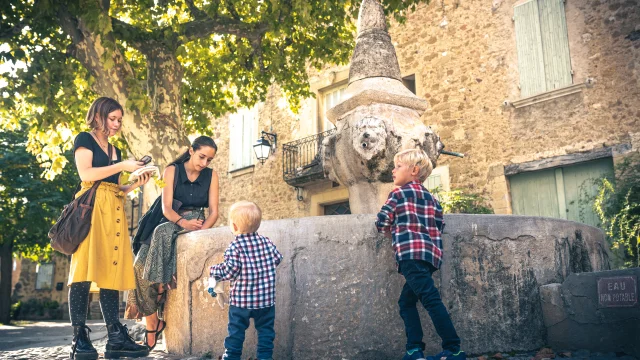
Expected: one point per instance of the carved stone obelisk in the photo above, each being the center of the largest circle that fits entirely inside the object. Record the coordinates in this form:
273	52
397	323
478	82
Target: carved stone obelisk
377	118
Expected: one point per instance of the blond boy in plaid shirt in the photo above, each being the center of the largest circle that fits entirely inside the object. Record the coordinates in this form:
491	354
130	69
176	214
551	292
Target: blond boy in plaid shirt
250	263
415	221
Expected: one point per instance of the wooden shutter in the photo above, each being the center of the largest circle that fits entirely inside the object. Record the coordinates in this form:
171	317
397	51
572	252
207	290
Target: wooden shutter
529	45
248	137
534	194
581	184
555	44
331	99
235	142
433	182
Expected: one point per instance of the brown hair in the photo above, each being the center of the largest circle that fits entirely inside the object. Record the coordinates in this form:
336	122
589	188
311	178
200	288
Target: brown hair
99	113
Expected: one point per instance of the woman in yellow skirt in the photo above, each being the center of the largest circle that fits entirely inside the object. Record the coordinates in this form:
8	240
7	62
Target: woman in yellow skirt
104	260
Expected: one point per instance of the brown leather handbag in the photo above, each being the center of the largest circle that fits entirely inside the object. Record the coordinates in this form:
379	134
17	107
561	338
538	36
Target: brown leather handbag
73	226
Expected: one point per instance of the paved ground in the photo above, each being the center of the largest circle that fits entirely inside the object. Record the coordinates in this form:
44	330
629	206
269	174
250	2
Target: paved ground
50	340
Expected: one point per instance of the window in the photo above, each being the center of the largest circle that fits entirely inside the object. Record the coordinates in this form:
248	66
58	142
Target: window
44	276
438	180
543	46
565	192
330	98
341	208
433	182
410	82
242	137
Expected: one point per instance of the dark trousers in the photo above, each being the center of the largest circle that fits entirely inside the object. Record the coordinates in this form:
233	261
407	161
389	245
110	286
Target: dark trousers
263	320
420	287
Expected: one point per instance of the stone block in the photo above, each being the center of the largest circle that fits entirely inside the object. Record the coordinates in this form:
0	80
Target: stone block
338	287
575	319
495	171
552	304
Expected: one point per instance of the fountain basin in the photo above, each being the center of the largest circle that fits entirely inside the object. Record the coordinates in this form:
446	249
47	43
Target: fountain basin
337	287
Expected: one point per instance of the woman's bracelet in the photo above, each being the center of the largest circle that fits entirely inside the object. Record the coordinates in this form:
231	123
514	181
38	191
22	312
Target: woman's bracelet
177	221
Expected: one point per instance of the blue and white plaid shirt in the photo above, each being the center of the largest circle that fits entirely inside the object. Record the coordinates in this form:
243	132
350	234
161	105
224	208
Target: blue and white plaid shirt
250	262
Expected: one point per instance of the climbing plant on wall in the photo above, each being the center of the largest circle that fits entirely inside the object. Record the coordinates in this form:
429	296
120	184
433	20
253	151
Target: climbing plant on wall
618	206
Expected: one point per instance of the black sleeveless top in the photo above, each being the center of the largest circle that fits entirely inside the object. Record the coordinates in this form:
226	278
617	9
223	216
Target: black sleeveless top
192	194
100	158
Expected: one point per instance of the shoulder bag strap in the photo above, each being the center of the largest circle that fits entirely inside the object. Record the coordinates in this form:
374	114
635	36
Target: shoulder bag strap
94	188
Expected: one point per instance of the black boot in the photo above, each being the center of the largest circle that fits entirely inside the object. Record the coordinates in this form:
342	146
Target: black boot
120	344
81	347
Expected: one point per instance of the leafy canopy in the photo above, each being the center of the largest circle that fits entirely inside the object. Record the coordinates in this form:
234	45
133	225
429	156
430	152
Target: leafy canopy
230	52
29	204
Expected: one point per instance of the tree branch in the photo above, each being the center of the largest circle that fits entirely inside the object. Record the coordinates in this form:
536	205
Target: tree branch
198	29
127	32
194	11
70	26
135	37
232	11
105	5
8	33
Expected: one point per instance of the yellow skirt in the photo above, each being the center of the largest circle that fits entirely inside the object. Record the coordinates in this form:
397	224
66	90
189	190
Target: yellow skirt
105	257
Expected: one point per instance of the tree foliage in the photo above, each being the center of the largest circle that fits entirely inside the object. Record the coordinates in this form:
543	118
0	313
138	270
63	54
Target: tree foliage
177	63
29	204
618	206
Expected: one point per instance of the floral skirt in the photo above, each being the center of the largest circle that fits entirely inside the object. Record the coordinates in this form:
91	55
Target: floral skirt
155	265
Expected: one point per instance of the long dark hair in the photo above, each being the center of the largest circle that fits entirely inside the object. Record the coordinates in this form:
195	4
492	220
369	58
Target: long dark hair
102	107
199	142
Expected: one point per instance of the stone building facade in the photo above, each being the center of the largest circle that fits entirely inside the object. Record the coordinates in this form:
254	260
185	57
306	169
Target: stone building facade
463	58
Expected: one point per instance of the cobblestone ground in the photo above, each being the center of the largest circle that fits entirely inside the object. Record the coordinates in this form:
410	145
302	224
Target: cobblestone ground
50	340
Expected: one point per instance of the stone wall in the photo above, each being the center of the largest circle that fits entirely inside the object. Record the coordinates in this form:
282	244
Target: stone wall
25	285
575	318
466	67
337	287
27	282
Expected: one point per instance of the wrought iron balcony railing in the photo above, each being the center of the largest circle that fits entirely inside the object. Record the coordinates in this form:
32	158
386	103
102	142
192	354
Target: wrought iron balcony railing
302	163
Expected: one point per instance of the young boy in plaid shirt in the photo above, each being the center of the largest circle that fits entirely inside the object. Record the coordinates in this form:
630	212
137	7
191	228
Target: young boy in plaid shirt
250	262
415	221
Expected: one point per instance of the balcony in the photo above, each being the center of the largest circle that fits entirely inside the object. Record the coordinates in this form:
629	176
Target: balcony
302	164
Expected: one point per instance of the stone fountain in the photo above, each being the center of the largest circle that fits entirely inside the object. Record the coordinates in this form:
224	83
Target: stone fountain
378	117
337	287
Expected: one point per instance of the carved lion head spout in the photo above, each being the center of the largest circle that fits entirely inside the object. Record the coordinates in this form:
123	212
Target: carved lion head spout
369	137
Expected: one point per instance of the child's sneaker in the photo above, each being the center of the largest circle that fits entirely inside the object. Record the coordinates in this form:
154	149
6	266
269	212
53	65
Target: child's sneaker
415	354
448	355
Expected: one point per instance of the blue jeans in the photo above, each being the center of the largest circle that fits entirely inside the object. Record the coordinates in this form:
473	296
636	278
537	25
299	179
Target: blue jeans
420	287
263	320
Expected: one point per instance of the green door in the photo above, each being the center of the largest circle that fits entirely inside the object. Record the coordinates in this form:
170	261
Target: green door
581	187
566	193
534	193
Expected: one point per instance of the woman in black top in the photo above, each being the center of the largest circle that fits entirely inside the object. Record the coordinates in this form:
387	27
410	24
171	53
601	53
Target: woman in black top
104	259
196	187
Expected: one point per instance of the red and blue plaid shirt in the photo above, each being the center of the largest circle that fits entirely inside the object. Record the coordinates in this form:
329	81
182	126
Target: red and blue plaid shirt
415	220
250	262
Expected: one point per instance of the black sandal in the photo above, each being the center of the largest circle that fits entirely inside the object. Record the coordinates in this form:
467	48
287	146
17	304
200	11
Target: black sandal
157	332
